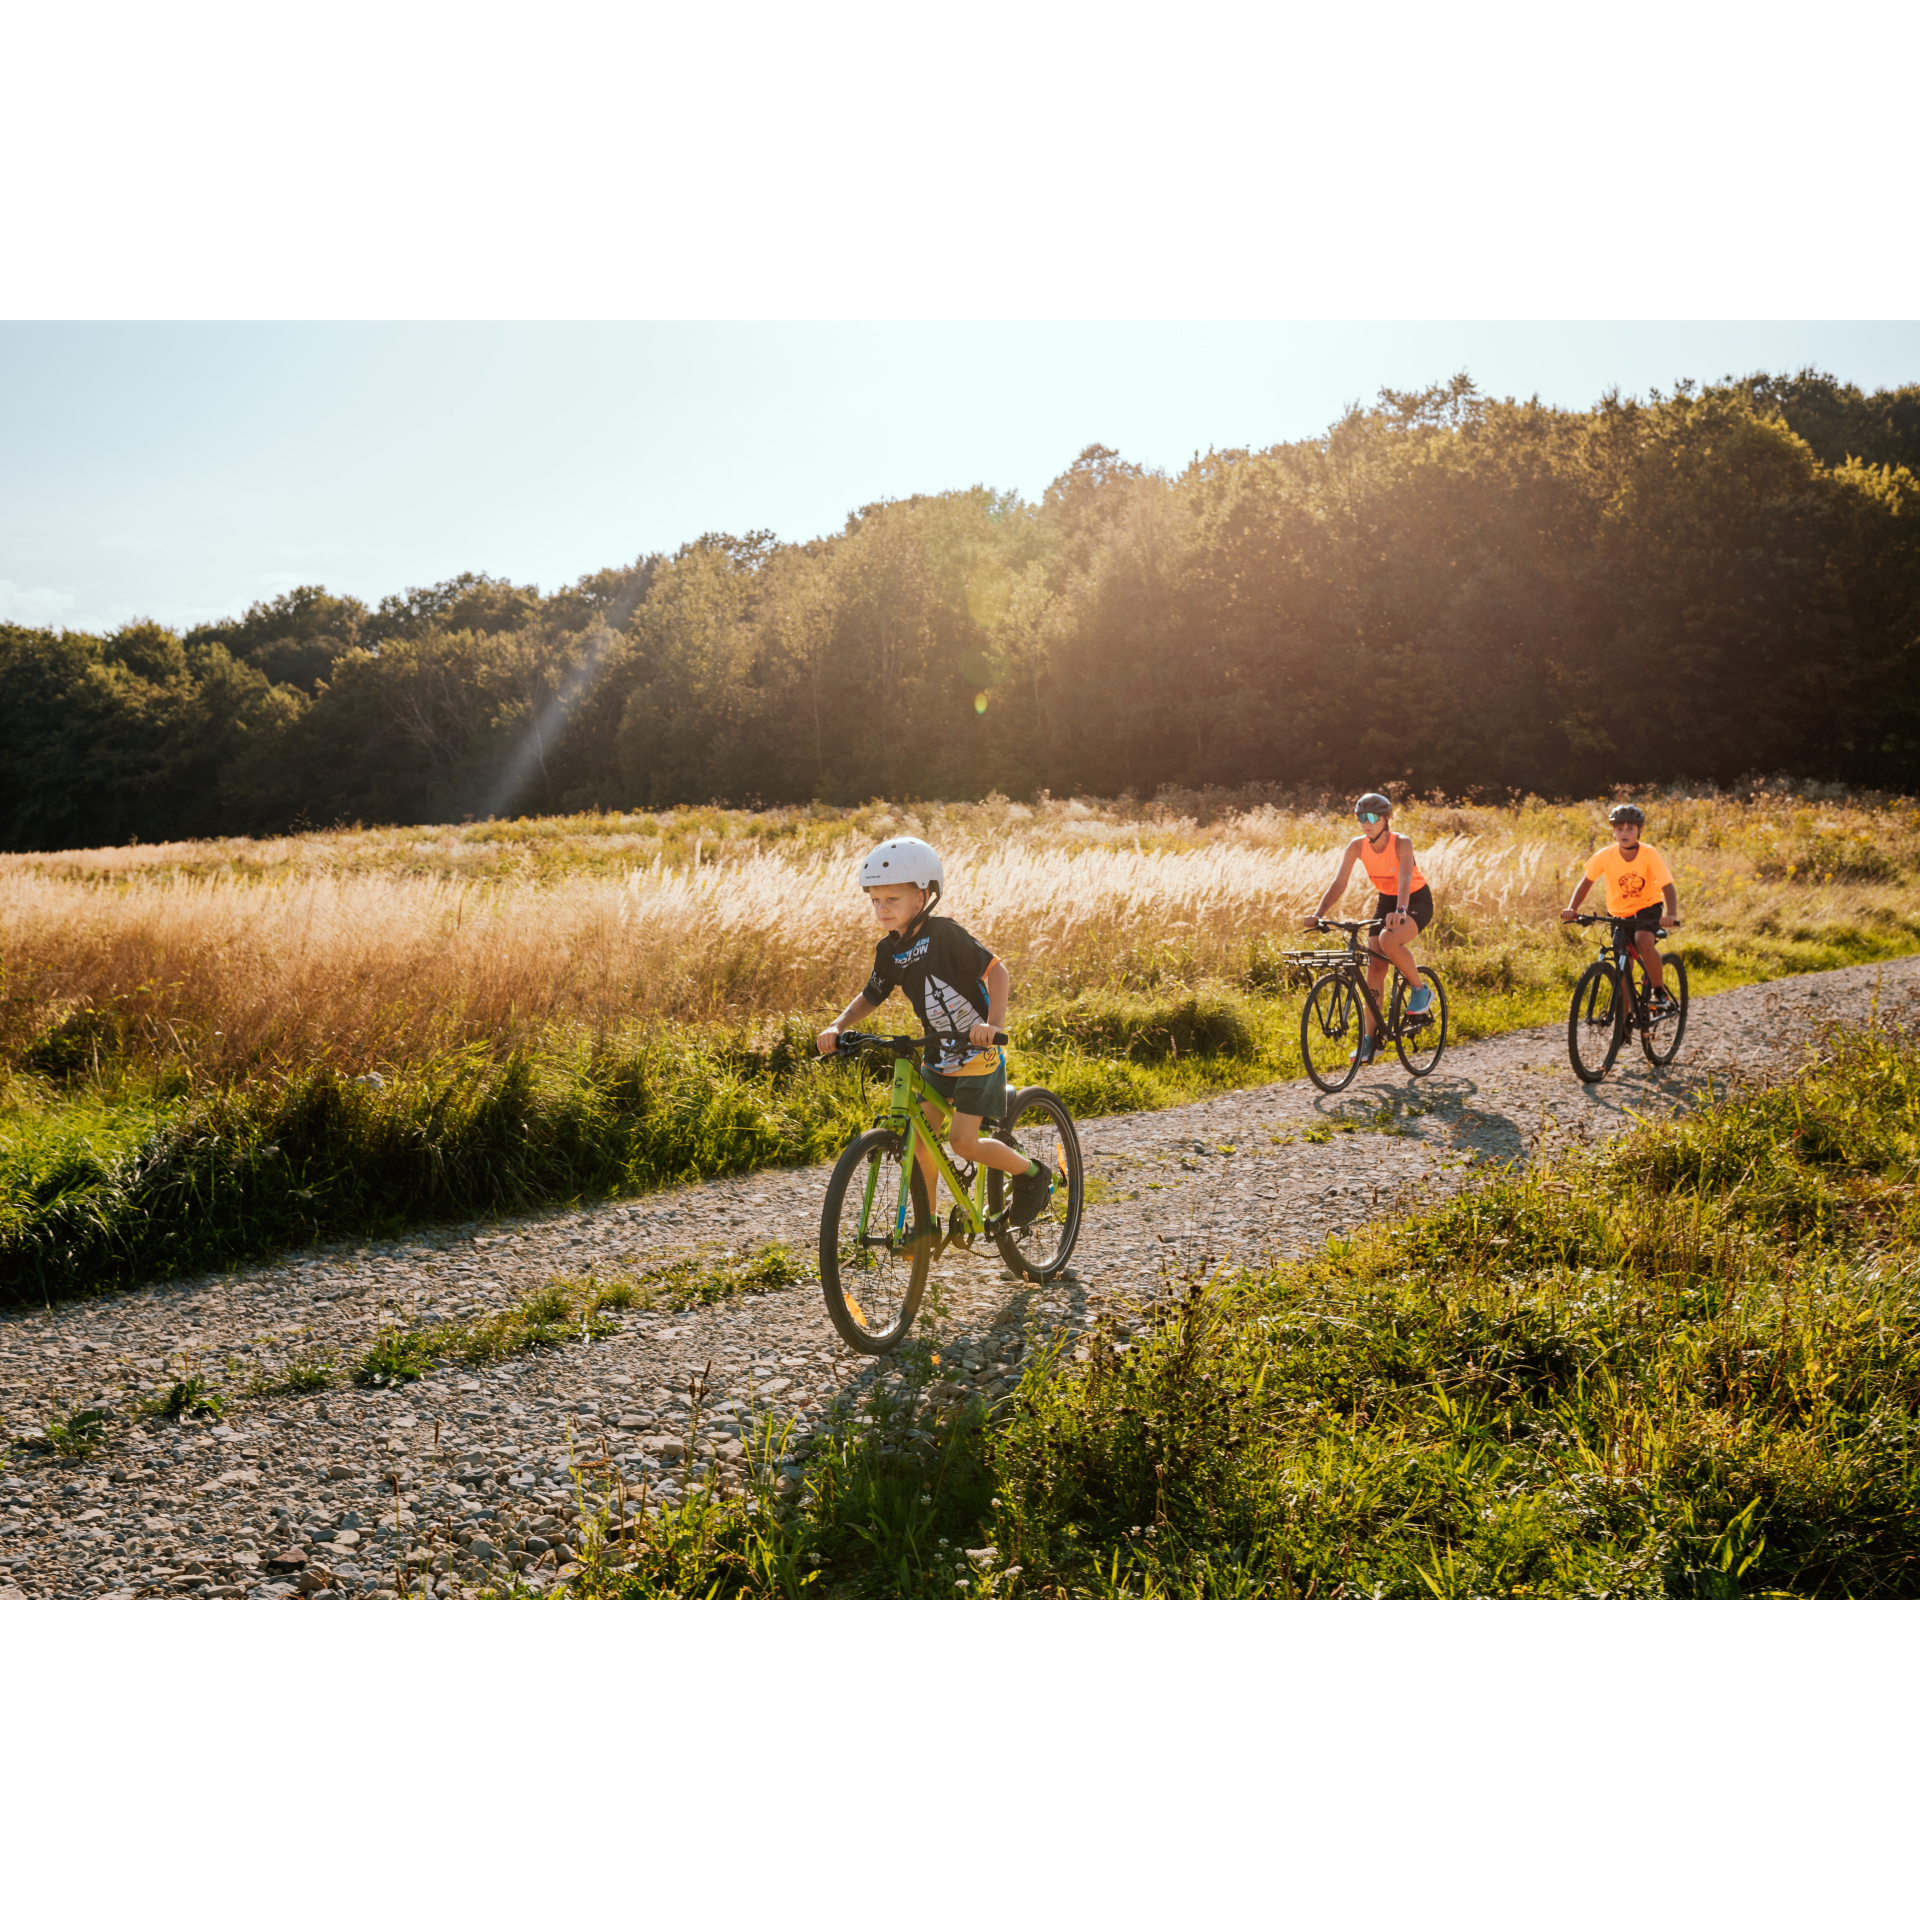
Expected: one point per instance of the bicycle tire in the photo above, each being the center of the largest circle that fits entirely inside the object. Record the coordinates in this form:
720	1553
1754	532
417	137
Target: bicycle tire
1593	1022
1041	1248
1328	1022
1670	1028
1420	1049
872	1293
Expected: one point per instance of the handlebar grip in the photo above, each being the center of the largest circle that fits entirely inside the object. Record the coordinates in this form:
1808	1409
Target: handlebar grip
999	1038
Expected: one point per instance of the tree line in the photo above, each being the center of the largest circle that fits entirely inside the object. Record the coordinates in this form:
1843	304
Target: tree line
1444	589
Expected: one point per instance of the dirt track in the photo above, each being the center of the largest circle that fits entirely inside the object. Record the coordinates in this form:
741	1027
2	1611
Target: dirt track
458	1475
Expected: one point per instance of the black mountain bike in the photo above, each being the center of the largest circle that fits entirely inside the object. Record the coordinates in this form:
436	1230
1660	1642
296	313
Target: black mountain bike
1614	997
1331	1022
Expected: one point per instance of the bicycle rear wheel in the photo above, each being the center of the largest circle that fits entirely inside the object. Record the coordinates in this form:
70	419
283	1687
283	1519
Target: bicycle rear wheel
1593	1022
873	1280
1039	1125
1419	1038
1330	1030
1660	1037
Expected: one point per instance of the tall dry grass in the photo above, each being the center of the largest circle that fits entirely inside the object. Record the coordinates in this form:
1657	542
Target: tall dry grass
385	947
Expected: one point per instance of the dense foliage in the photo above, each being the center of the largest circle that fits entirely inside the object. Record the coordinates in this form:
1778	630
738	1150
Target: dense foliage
1445	590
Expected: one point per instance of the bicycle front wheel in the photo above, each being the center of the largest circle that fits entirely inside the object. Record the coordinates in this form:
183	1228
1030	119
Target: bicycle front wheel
1593	1022
1330	1030
871	1270
1660	1037
1420	1038
1039	1125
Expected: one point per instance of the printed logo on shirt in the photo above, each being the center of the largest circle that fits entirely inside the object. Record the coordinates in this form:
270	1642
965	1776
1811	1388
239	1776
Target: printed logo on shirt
1633	885
913	953
949	1009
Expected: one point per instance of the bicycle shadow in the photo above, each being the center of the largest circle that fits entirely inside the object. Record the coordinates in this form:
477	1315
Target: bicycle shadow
940	1370
1440	1111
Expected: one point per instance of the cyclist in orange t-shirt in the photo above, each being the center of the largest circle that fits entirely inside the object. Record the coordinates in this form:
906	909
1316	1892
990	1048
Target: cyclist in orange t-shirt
1404	905
1635	875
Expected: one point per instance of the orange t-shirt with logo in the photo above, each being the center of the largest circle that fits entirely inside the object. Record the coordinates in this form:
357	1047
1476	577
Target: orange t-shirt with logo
1383	867
1632	885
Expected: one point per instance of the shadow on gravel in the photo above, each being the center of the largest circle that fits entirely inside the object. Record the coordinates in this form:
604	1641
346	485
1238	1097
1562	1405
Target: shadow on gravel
1440	1112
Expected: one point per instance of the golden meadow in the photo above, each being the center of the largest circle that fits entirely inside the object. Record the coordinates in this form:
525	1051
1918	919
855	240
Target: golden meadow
382	948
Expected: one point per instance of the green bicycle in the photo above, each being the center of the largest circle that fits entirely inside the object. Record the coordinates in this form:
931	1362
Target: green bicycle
879	1240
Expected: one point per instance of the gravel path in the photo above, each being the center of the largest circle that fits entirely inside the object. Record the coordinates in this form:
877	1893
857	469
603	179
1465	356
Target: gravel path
445	1483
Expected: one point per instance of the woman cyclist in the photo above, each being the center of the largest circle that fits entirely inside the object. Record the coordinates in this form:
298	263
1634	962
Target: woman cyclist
1405	905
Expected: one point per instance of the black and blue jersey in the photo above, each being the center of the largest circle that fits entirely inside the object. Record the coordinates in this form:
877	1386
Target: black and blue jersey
941	969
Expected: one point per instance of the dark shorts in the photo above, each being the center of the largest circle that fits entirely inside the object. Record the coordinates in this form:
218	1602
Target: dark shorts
984	1094
1419	905
1647	920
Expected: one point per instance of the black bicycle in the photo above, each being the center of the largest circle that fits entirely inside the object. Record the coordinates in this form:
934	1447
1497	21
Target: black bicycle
1614	997
1332	1021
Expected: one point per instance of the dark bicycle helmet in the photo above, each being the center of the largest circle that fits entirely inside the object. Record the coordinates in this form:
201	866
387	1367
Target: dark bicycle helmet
1373	803
1626	811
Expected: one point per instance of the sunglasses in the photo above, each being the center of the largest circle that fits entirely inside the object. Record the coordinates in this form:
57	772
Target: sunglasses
1371	819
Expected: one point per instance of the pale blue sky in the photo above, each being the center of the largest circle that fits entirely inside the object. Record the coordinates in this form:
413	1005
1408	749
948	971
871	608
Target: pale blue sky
184	470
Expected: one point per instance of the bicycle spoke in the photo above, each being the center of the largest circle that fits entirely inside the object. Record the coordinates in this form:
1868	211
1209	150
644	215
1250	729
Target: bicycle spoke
1592	1022
873	1279
1040	1127
1420	1038
1660	1038
1330	1029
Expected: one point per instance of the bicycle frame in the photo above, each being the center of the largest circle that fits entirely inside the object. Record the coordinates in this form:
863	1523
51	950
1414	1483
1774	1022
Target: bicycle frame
905	1117
1622	953
1354	965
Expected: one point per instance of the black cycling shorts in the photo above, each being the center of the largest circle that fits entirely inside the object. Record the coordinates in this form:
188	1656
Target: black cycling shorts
1419	905
1647	920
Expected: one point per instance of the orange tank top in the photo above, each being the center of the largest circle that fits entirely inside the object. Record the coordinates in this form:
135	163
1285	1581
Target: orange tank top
1383	867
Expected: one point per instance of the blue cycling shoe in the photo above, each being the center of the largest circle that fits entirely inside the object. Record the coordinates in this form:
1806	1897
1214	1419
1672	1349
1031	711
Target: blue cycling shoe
1420	1000
1362	1055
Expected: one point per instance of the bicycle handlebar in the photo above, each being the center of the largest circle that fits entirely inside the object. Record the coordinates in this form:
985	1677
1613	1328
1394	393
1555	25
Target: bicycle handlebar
1616	920
1351	926
903	1046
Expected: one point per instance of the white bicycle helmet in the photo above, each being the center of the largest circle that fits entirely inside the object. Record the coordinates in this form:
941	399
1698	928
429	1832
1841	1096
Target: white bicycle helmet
896	863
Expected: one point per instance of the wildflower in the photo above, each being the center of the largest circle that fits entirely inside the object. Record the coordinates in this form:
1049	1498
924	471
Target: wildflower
961	1586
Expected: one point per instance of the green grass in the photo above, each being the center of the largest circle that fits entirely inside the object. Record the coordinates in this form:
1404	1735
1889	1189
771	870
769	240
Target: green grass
122	1181
183	1399
1685	1365
128	1176
80	1435
307	1373
567	1307
547	1317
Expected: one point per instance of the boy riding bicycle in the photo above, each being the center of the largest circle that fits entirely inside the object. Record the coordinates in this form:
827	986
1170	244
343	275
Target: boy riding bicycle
1634	874
1404	905
960	992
